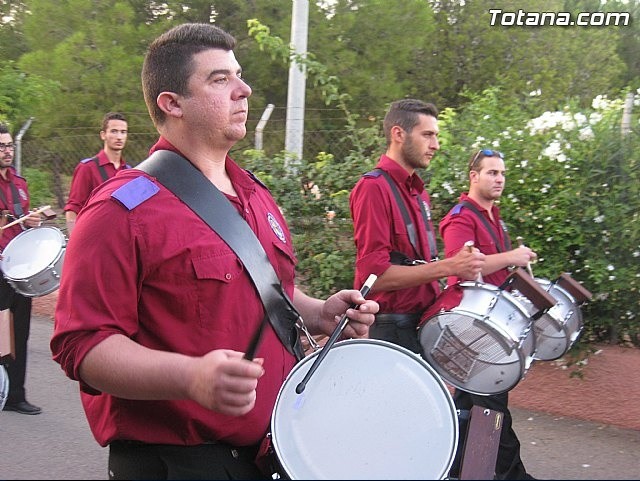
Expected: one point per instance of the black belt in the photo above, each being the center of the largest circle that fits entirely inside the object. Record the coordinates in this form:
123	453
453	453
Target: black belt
402	321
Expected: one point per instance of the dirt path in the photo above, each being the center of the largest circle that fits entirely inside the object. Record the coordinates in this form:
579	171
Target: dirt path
607	391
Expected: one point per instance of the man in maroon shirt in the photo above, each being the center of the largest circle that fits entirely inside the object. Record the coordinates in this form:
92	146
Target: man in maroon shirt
14	204
477	217
156	325
393	232
91	172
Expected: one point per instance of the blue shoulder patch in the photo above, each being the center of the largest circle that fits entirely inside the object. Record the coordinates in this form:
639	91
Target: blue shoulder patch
84	161
373	173
456	210
135	192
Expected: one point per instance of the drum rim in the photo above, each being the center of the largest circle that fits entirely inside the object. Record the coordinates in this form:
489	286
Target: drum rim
379	342
522	357
3	261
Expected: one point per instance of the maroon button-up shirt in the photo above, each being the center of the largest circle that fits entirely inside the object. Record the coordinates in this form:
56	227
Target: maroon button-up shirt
379	229
155	272
86	177
23	193
461	224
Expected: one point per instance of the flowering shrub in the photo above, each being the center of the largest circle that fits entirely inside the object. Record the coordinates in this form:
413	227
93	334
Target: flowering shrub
572	194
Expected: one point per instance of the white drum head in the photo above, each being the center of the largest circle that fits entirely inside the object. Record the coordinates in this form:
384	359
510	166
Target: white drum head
4	386
31	252
371	410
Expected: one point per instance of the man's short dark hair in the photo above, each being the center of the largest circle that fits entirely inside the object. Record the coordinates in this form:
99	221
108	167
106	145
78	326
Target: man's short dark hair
4	129
405	114
168	63
111	116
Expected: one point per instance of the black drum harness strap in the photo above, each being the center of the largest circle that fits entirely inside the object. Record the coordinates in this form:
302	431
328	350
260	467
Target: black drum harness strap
507	242
189	184
411	229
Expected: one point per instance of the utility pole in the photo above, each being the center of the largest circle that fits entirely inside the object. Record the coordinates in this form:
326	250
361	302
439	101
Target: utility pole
294	130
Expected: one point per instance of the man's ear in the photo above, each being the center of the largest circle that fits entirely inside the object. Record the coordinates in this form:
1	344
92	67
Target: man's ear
169	103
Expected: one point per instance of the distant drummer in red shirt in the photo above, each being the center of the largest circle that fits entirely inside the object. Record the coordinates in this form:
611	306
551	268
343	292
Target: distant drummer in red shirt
91	172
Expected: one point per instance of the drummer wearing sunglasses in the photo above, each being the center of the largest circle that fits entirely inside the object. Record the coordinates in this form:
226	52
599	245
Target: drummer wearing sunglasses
477	217
14	203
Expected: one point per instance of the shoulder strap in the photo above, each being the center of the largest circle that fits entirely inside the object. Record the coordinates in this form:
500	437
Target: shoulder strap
489	227
183	179
17	206
103	173
411	229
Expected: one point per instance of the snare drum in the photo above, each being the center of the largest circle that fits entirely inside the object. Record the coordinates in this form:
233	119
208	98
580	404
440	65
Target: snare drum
478	338
371	410
558	329
4	386
32	261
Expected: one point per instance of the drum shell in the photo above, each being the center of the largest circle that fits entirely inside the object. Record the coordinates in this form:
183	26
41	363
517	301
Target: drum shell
371	410
483	344
559	328
32	261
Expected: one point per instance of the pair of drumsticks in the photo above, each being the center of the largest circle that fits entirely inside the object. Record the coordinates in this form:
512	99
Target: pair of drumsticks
46	210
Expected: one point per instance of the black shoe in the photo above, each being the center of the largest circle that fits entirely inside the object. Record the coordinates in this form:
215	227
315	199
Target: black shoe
23	407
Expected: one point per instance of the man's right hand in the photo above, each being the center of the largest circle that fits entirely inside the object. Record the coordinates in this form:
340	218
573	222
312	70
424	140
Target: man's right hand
468	263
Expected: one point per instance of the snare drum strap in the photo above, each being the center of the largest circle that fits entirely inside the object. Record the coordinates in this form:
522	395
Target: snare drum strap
189	184
507	241
17	206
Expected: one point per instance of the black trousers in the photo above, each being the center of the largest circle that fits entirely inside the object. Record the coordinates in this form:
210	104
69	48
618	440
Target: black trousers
20	306
402	335
508	465
134	460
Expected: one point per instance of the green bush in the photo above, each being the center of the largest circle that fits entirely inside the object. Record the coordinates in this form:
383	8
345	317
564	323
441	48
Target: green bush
572	194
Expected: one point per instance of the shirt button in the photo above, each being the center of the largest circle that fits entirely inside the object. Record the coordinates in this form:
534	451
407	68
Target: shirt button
227	276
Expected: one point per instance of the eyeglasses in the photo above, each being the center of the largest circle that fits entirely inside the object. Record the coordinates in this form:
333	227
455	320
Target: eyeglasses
4	147
486	153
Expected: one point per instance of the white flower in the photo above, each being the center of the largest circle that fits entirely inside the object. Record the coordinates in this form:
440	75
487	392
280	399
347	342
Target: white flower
636	254
315	190
585	133
598	219
611	268
535	93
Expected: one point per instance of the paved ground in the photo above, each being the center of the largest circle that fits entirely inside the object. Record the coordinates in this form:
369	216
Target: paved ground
58	444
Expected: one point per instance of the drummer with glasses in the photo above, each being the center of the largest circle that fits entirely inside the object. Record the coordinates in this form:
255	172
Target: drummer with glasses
476	217
14	203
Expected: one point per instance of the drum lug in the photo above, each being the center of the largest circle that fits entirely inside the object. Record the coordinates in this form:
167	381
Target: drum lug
568	315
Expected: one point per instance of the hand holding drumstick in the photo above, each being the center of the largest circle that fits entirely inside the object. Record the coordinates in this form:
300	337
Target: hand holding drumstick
526	252
32	219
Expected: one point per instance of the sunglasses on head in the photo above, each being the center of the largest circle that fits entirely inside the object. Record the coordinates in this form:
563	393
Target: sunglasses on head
486	153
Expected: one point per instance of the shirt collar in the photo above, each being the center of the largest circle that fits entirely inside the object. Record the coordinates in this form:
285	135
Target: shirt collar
239	177
412	182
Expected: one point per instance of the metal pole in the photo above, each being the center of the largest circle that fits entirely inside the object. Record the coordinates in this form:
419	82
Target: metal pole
17	159
261	125
625	127
294	133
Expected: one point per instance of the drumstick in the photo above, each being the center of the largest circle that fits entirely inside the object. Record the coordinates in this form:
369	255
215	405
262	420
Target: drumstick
469	245
521	244
17	221
364	290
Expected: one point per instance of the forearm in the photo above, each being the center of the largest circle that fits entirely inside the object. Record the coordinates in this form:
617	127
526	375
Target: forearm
70	218
123	368
496	262
404	277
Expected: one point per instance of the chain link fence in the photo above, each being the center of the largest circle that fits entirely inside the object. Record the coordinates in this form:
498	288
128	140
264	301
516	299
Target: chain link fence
53	158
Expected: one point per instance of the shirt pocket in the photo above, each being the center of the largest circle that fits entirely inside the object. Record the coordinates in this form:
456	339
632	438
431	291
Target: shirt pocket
217	278
286	262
